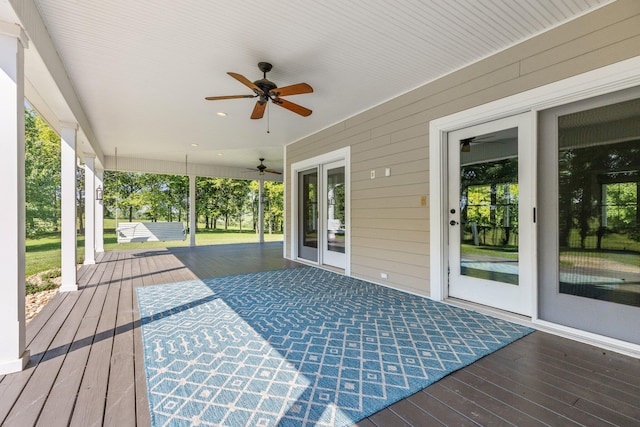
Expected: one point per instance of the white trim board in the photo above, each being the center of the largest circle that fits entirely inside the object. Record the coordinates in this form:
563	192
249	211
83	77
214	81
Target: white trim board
618	76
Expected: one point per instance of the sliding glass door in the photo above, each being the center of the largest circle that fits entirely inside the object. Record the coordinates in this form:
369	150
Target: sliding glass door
590	216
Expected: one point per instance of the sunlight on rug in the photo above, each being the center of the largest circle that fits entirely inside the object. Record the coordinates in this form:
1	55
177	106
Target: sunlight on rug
299	347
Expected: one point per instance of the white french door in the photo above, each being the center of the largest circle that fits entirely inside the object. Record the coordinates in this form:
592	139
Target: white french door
334	214
491	214
322	200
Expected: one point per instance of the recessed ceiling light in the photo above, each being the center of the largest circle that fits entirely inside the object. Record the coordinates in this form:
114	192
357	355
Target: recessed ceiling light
194	145
220	154
221	114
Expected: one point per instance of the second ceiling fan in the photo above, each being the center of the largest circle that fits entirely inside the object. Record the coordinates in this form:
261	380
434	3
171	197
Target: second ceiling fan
265	90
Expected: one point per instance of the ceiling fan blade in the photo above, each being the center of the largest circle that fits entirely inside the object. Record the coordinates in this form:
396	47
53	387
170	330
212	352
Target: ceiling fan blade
298	109
216	98
296	89
273	171
258	110
245	81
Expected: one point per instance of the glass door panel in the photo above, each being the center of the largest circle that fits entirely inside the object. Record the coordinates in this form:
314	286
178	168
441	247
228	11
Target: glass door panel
308	215
335	218
590	272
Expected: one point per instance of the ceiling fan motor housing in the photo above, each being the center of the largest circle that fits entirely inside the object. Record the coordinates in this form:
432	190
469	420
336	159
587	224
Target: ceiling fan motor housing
265	85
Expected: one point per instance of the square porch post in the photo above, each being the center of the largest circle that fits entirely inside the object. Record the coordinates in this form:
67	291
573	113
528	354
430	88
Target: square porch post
192	211
261	210
68	200
99	227
89	209
13	355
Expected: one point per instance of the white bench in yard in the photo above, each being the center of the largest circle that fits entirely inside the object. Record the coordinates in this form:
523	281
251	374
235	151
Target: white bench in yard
150	231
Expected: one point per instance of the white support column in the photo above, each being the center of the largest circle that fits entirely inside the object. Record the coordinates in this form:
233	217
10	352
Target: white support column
99	227
192	211
89	209
261	210
68	199
13	355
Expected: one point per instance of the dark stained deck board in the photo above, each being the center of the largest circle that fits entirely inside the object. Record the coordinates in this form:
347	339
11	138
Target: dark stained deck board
87	363
46	372
143	417
58	407
424	403
413	415
120	407
91	400
514	400
503	410
601	403
462	405
609	367
560	403
388	418
13	385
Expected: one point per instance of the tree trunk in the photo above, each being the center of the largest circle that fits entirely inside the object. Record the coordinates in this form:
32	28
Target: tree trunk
80	221
130	213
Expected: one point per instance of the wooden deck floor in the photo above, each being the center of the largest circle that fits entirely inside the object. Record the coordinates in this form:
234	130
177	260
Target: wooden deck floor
86	366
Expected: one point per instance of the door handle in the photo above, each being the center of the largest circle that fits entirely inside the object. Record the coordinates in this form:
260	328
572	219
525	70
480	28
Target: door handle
452	222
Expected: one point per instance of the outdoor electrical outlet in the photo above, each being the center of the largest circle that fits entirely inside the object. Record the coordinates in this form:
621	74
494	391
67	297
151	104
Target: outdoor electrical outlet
387	172
373	174
384	276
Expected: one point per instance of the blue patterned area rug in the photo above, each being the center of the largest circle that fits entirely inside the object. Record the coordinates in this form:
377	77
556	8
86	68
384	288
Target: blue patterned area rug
299	347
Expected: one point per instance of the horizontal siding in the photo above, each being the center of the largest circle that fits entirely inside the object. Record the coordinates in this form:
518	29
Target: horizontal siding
390	230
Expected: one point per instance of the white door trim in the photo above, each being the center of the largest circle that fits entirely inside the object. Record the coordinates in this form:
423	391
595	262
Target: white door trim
333	156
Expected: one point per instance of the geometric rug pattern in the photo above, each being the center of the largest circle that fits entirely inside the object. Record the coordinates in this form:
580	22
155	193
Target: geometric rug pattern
299	347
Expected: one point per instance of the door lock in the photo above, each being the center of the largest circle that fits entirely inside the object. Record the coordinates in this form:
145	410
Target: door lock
452	222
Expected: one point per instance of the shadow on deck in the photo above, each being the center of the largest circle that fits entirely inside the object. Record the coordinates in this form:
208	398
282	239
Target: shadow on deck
86	366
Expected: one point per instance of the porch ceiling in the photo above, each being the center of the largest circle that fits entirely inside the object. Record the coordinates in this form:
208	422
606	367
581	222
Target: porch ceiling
141	69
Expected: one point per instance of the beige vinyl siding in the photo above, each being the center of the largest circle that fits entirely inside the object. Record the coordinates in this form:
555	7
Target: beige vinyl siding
389	227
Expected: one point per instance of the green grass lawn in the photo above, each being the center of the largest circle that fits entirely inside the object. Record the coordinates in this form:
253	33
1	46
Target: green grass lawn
43	253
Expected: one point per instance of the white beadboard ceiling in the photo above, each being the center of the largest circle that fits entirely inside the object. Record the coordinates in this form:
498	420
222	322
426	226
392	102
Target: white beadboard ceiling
141	68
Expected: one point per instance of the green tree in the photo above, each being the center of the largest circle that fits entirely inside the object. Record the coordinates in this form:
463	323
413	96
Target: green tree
274	206
42	175
120	192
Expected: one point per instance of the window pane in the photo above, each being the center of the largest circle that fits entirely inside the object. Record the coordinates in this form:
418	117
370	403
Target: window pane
599	236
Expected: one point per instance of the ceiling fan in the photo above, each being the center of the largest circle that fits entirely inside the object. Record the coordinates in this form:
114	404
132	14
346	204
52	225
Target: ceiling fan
261	168
265	90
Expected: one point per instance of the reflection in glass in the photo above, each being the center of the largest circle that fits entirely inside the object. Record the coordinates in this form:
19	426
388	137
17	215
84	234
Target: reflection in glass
308	215
599	235
489	206
335	210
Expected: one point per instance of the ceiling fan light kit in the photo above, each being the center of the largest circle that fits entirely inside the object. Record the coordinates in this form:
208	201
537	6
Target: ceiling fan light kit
266	90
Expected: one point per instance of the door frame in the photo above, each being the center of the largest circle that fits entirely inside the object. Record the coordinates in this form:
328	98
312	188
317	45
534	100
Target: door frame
343	154
621	75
